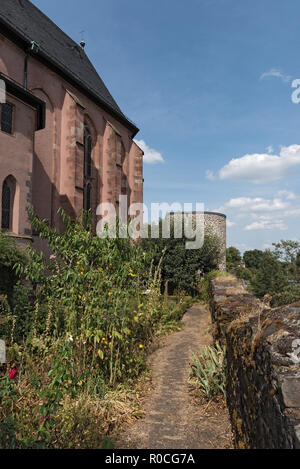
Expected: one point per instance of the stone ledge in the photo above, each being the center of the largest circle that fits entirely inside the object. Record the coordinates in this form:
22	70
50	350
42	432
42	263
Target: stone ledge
263	374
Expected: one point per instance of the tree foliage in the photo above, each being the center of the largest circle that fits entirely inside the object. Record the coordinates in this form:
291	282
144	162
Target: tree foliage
253	259
233	258
10	254
181	267
270	277
93	311
274	272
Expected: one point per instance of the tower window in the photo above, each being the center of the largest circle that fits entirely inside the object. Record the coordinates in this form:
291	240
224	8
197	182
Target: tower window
7	118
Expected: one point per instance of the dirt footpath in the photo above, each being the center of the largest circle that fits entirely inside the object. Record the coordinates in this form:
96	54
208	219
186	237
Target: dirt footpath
173	419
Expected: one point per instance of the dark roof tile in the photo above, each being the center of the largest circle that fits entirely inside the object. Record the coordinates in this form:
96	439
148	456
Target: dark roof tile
31	24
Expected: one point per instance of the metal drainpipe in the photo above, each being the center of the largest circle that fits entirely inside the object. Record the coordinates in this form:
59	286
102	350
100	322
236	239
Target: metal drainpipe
25	71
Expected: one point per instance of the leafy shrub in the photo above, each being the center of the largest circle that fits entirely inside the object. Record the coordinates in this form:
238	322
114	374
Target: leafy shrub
6	318
233	258
10	254
207	369
81	324
205	284
8	434
22	306
181	267
288	295
244	273
79	424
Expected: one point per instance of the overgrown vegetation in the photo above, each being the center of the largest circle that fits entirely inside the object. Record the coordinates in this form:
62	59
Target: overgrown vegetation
77	327
207	371
181	268
204	285
10	254
275	272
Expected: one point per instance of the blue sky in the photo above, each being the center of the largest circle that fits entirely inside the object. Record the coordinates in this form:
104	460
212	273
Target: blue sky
209	83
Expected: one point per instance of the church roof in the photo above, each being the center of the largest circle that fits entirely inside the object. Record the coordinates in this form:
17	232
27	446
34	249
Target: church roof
26	23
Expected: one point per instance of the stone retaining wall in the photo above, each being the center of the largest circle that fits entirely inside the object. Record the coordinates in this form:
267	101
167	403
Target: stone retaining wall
262	368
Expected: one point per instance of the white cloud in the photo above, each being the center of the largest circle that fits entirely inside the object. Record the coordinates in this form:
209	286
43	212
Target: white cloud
276	73
287	194
262	213
262	167
266	224
267	245
293	212
210	175
230	223
151	156
256	204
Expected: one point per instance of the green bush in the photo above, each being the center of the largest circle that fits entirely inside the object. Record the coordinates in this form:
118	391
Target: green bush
270	278
181	267
80	324
207	369
233	258
205	283
78	424
288	295
10	254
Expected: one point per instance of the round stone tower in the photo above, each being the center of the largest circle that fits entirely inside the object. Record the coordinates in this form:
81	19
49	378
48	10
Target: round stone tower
215	223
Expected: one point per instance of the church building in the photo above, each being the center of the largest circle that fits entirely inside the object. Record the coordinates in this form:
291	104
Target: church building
64	141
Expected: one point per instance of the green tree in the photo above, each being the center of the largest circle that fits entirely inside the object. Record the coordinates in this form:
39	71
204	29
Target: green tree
233	258
253	259
287	251
180	267
270	277
244	273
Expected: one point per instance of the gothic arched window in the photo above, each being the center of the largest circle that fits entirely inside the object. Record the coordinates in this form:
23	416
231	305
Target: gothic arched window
87	151
7	118
6	206
124	180
8	199
87	168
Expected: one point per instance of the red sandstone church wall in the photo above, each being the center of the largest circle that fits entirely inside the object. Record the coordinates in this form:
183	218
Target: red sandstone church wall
16	155
58	152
